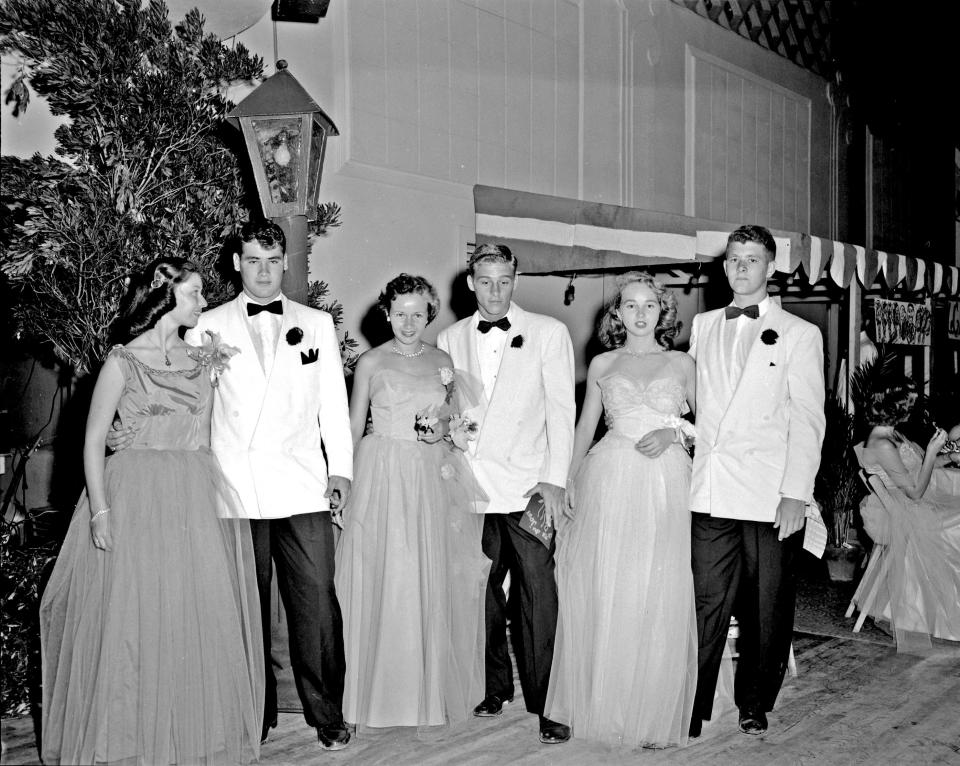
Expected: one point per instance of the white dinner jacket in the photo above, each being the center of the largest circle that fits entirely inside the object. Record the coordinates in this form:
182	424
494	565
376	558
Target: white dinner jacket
268	426
758	438
526	424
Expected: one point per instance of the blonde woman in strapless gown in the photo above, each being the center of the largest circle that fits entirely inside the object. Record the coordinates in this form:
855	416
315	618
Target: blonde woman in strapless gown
625	661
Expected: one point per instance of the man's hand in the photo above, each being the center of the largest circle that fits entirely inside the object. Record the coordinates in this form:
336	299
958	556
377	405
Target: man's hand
655	443
338	490
553	499
119	437
790	517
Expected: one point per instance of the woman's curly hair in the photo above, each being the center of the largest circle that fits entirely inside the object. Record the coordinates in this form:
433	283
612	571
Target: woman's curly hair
893	405
150	295
407	284
612	333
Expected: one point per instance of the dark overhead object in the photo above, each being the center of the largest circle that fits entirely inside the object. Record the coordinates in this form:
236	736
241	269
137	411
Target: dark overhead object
307	11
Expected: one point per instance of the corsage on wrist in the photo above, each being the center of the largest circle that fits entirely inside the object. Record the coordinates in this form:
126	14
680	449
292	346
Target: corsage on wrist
105	509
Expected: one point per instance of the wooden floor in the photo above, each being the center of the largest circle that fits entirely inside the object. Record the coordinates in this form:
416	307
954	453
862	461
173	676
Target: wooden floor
854	701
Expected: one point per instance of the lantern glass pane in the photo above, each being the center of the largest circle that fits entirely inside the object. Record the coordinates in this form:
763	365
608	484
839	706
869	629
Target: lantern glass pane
317	140
279	140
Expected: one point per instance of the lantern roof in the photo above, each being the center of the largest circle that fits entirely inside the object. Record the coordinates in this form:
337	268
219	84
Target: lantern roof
280	94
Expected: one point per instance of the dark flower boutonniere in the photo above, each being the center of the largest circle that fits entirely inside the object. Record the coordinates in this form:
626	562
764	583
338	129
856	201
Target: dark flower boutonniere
294	336
517	342
769	337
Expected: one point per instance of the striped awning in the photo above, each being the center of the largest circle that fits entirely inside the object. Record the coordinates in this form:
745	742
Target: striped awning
562	235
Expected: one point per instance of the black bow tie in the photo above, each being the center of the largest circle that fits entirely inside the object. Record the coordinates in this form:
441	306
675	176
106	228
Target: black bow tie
274	307
752	312
502	324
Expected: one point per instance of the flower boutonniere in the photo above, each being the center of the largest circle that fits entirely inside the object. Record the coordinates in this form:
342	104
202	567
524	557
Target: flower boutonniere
517	342
214	354
446	378
294	336
769	337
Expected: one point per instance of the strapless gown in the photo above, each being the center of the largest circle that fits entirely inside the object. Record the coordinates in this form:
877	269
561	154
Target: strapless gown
625	663
152	652
920	589
410	571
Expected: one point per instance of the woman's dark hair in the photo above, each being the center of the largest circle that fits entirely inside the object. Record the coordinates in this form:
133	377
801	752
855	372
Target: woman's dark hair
149	296
406	284
893	405
612	333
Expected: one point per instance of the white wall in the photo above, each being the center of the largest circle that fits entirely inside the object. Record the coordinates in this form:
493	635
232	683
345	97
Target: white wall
578	98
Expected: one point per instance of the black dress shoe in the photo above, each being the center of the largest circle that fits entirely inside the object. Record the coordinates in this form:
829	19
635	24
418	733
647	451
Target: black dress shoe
265	731
333	737
753	721
696	727
553	733
491	706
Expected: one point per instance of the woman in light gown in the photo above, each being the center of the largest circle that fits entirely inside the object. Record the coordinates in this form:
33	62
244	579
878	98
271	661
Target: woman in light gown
625	663
411	575
150	623
920	579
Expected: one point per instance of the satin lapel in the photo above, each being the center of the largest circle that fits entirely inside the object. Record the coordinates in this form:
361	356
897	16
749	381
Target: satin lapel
252	385
510	375
242	337
287	320
744	385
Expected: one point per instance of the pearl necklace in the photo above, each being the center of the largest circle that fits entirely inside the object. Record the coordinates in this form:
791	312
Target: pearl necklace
396	350
639	354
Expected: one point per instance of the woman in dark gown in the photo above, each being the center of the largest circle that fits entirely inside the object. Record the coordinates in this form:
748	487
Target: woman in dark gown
150	625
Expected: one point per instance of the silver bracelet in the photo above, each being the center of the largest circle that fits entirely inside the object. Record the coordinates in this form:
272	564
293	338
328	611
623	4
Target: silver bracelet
100	513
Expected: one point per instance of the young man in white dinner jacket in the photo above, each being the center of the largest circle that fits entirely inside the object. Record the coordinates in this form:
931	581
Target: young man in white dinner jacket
760	425
279	405
525	363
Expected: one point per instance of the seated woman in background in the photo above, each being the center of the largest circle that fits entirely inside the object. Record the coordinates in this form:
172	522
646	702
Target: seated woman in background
920	592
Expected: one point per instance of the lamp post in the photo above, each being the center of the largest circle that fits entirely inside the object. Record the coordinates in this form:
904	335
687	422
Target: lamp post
285	133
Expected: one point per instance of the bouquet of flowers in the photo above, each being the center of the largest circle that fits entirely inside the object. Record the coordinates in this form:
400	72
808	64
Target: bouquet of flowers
214	354
442	422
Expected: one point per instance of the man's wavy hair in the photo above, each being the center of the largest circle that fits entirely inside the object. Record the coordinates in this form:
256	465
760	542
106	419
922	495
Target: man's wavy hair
407	284
150	295
612	333
491	253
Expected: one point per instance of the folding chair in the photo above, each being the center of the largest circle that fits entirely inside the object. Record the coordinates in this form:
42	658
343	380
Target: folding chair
866	592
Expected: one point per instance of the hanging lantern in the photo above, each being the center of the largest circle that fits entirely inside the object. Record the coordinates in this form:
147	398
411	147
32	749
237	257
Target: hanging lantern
285	133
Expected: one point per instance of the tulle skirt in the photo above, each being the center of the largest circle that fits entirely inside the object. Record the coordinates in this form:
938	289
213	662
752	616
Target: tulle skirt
152	652
625	661
411	579
919	587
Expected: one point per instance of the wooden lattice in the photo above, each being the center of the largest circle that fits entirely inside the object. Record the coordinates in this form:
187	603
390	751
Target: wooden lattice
798	30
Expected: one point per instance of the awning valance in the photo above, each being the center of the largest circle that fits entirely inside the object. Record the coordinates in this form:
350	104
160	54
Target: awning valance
564	235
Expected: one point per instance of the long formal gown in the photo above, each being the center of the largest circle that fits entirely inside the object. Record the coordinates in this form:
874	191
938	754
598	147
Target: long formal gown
152	652
411	575
625	662
920	585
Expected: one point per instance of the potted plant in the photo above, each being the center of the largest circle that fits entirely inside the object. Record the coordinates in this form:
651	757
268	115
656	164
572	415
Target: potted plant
838	491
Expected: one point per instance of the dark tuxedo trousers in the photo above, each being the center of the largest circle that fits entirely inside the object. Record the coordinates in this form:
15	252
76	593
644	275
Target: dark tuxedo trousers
302	549
532	609
740	568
